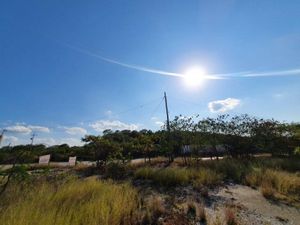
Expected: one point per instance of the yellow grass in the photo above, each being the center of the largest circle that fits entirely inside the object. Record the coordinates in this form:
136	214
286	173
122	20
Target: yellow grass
273	181
88	202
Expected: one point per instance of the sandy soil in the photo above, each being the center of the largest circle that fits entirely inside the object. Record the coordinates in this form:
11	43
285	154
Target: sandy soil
253	208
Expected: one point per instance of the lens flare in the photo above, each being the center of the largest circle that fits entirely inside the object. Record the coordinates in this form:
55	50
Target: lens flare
194	77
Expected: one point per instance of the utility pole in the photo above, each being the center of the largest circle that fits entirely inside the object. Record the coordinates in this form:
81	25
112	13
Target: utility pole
2	135
32	138
167	112
171	157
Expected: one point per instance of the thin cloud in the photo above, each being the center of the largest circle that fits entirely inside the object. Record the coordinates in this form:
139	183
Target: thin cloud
217	76
136	67
18	129
75	130
102	125
221	106
39	128
25	129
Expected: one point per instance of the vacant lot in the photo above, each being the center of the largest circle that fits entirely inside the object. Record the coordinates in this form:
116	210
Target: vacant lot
227	191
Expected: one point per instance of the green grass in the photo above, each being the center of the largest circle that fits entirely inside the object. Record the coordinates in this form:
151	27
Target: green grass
76	202
179	176
164	177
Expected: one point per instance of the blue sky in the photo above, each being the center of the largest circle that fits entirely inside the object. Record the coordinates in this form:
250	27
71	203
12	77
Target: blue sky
55	84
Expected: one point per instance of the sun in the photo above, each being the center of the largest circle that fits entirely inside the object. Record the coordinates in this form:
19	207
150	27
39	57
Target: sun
194	77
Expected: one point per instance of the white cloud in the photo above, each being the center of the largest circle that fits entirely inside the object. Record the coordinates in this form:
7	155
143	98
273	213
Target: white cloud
75	130
221	106
157	121
19	129
102	125
10	140
39	129
48	141
25	129
72	141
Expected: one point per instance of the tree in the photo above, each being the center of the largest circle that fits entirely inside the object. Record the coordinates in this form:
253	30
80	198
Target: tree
103	148
147	146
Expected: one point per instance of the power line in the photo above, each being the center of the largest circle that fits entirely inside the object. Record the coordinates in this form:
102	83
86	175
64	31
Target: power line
156	108
136	107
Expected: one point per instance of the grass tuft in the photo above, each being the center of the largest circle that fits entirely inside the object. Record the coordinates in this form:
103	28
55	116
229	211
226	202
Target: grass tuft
230	218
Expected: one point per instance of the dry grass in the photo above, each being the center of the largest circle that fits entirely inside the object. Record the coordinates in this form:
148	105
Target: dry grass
154	209
88	202
230	218
267	190
271	181
201	214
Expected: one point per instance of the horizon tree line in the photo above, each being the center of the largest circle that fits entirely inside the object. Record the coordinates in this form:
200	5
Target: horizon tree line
236	136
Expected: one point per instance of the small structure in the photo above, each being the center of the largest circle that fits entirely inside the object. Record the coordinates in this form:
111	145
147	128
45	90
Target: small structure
44	159
72	161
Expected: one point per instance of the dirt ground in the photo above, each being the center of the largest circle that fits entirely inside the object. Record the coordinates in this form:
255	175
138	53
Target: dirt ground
254	209
248	205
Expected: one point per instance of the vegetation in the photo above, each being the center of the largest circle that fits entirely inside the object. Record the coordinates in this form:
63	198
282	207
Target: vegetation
266	174
179	176
237	136
273	181
30	196
74	202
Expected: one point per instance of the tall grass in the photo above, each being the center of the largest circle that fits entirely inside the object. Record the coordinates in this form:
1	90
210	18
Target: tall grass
164	177
179	176
283	182
277	177
88	202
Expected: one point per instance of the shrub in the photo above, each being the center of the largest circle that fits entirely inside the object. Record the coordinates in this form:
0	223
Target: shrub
115	170
297	151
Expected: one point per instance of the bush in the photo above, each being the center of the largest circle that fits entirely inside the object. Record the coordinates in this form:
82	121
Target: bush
297	151
115	170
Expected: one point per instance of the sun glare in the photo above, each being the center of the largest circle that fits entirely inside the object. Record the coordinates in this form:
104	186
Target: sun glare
194	77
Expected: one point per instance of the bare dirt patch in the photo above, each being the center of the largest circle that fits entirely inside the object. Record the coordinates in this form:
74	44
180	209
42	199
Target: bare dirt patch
253	208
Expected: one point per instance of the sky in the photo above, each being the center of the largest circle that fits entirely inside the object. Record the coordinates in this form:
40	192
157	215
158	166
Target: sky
71	68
